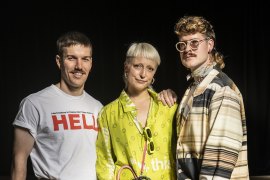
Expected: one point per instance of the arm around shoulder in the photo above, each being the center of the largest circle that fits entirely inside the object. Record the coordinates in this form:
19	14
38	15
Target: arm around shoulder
168	97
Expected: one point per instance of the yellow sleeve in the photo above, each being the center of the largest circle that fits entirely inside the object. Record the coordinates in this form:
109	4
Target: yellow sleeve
105	164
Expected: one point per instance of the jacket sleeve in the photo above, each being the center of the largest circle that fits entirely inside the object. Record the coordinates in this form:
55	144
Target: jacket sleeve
105	163
225	135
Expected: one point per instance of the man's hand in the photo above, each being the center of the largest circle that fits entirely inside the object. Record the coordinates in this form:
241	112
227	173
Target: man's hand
168	97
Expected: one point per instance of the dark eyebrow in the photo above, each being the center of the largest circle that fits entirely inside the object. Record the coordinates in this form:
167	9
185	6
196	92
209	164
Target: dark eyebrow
74	56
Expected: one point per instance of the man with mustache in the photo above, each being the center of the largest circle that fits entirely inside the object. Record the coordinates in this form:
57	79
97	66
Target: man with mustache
57	126
211	122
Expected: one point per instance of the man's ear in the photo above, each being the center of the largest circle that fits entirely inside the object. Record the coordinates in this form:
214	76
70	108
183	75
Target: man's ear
58	61
211	45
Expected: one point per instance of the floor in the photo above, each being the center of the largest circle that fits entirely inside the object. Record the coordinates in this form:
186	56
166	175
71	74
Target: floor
259	177
251	178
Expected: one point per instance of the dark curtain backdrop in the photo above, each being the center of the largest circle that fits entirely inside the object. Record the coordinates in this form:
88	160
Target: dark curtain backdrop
29	32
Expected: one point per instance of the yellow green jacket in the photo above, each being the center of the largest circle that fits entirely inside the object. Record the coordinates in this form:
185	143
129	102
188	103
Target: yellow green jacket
120	142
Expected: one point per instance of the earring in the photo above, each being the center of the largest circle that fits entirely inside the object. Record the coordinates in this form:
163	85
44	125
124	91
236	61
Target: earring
153	80
125	75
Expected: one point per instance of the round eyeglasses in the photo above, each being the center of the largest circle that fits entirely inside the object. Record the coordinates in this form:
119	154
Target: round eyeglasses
193	44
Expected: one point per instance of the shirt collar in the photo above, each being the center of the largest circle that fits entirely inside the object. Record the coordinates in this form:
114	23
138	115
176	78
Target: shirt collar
128	105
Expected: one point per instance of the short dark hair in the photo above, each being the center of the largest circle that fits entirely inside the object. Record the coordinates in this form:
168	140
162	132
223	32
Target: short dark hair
72	38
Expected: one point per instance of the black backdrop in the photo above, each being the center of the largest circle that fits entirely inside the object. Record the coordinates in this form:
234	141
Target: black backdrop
29	31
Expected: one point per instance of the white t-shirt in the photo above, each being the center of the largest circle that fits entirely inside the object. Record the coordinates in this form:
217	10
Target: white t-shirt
65	130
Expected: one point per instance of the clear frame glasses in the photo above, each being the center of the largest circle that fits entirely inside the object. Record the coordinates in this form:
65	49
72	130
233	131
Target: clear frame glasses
148	137
193	44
